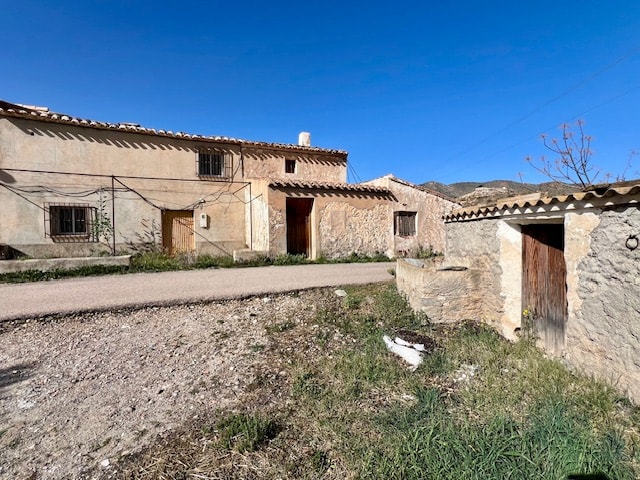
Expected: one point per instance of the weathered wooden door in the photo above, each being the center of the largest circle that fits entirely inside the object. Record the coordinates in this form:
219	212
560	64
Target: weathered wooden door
544	290
299	226
177	231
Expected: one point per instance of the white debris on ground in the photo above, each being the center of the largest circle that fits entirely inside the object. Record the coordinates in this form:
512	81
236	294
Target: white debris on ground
407	351
340	293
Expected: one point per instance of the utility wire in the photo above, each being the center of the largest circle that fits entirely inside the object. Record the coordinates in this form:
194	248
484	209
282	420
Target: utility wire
565	92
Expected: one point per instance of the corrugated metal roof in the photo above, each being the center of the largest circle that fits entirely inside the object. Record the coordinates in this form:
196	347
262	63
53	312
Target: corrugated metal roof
616	194
43	114
346	187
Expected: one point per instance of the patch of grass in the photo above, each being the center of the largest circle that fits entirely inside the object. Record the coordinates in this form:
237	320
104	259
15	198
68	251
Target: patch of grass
551	443
308	384
246	433
154	261
40	276
351	409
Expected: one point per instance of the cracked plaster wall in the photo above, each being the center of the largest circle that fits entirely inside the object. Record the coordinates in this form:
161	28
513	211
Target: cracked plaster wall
603	330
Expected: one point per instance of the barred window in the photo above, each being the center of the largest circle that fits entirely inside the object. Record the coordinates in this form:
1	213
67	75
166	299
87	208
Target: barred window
404	224
290	166
71	220
212	163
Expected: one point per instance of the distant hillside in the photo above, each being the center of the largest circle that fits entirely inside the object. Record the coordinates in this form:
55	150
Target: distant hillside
475	193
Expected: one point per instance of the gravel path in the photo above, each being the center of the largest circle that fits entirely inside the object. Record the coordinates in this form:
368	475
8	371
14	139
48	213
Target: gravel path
79	392
109	292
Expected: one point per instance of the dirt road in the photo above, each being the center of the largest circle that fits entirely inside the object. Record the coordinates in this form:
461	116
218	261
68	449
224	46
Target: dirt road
30	300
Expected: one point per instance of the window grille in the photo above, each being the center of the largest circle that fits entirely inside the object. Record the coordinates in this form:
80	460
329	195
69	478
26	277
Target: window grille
290	166
70	221
214	163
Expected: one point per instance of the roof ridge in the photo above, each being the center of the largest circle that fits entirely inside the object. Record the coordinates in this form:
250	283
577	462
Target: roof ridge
44	114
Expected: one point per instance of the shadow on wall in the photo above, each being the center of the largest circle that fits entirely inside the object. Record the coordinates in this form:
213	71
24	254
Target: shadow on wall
116	138
6	177
9	253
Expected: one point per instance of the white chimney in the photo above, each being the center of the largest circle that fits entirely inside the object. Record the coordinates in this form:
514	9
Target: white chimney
304	139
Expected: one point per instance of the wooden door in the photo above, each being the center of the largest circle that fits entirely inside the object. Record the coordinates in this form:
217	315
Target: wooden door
299	226
544	290
177	231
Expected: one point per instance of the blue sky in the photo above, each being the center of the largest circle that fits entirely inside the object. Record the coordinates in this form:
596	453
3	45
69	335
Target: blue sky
446	91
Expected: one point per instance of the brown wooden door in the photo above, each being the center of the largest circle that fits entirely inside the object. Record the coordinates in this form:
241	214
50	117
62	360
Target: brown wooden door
177	231
544	290
299	226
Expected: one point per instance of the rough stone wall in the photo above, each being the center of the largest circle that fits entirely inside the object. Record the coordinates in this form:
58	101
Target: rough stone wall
345	228
441	293
602	336
430	209
468	282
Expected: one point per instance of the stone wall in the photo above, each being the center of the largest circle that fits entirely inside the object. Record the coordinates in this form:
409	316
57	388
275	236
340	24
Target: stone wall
346	228
466	284
430	210
602	334
601	254
440	292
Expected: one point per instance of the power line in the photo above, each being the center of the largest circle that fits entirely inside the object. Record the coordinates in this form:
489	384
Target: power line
549	102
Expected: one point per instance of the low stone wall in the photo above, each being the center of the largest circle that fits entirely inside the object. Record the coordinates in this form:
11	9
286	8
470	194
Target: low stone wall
48	264
445	293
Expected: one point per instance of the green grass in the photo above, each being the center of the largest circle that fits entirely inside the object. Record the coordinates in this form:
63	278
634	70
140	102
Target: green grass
159	262
245	433
347	408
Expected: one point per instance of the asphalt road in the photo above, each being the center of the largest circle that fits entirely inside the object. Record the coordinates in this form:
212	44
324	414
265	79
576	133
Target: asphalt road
111	292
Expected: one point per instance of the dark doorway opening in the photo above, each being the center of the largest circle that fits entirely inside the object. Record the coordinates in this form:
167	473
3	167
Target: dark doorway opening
544	282
299	226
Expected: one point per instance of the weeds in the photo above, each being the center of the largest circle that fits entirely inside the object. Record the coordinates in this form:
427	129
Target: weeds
246	433
350	409
156	261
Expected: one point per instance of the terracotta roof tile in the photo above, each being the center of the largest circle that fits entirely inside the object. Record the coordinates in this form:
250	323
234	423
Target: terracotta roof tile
347	187
32	113
611	194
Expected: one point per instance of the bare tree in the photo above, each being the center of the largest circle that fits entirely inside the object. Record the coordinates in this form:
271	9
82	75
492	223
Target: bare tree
572	162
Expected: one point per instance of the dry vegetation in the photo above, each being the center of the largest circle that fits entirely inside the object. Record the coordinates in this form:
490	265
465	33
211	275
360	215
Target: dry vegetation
299	386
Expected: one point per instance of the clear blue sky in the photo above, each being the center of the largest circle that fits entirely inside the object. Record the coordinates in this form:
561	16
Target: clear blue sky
426	90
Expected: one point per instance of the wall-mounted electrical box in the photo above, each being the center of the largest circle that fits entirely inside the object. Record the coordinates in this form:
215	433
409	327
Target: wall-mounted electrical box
204	220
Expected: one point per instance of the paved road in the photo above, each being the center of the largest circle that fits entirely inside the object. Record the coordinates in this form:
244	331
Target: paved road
28	300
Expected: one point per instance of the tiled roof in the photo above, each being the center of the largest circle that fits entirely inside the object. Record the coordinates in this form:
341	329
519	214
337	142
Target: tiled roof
43	114
604	195
343	187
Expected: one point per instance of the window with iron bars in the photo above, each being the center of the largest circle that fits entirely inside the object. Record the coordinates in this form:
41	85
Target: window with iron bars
404	224
71	221
214	163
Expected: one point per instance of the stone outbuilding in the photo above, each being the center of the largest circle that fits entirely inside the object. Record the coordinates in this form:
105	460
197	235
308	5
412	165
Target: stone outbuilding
567	263
417	215
72	187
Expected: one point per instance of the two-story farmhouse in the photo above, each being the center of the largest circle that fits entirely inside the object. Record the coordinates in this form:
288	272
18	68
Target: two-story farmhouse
76	187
